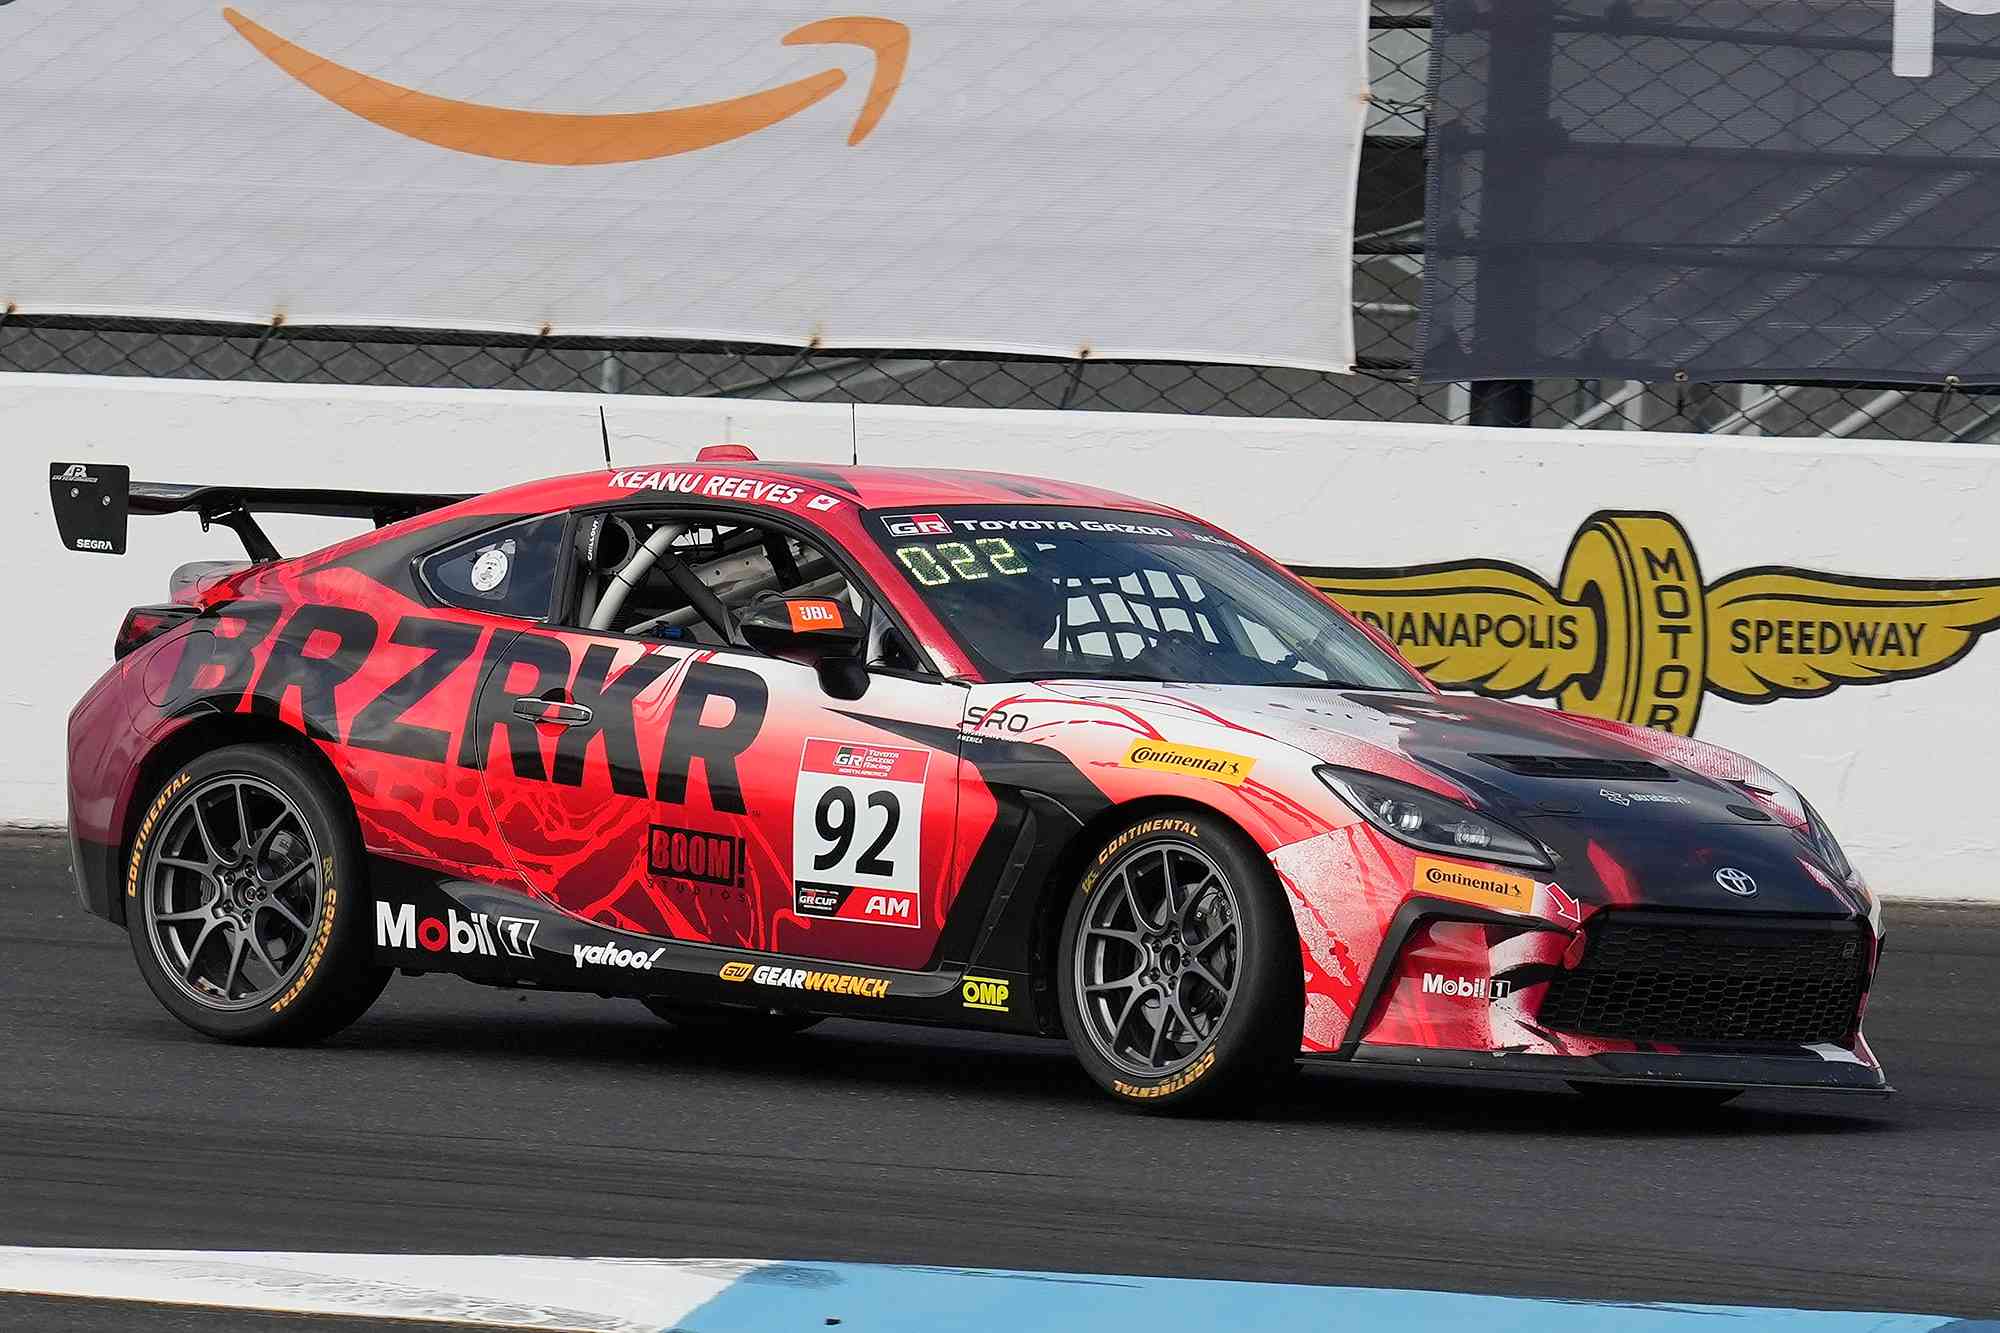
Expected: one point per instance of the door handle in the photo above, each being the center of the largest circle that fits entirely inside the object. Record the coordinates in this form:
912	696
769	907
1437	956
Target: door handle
551	712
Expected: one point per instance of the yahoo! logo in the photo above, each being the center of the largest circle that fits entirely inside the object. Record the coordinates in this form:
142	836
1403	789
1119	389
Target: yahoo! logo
1916	32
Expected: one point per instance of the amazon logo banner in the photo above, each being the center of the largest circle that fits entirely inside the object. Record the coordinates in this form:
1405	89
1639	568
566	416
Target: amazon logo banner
1027	178
1629	628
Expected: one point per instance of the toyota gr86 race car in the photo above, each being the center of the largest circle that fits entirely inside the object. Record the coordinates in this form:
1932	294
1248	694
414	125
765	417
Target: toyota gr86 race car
754	744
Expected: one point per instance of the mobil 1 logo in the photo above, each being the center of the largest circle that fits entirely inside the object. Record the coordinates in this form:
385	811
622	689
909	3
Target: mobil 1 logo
857	819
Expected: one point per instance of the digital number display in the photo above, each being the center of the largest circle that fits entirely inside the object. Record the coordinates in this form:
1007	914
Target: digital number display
939	563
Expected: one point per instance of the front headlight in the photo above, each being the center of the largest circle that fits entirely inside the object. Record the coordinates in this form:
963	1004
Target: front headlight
1423	819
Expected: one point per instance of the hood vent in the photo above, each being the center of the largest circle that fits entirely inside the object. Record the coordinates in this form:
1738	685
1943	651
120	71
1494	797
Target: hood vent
1585	767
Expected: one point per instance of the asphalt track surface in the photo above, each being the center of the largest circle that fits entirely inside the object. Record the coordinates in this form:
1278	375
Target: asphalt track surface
457	1119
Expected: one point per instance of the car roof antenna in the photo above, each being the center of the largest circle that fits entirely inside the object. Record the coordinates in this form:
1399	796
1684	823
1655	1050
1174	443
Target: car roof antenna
604	429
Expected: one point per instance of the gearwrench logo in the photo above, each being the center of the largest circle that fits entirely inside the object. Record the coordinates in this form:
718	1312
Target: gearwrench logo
1916	32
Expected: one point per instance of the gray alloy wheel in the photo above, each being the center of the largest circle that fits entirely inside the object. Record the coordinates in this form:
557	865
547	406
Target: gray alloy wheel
1158	957
232	892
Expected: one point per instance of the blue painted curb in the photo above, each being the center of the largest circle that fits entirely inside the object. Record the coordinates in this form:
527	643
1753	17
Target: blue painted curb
888	1298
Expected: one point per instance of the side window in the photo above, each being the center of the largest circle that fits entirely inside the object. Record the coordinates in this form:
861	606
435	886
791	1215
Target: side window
691	577
509	571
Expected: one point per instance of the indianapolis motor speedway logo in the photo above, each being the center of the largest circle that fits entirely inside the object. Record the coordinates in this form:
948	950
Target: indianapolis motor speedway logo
1629	631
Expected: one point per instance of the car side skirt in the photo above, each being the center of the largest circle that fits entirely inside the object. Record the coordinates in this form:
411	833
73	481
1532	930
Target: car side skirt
501	937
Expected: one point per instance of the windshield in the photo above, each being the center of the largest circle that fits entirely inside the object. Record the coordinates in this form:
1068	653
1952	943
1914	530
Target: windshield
1040	592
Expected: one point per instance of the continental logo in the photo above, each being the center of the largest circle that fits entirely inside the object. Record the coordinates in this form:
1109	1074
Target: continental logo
1143	829
1629	631
145	833
1131	835
1470	884
556	140
325	933
1170	1086
807	979
1166	757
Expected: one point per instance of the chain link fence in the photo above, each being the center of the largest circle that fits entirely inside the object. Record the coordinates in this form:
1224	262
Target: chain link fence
1389	268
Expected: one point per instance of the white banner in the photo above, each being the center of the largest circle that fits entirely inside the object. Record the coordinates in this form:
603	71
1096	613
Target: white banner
1130	178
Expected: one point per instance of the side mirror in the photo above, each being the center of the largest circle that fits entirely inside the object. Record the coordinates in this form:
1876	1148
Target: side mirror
812	631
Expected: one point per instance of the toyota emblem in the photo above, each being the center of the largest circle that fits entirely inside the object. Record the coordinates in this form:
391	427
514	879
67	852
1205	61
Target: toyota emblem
1736	881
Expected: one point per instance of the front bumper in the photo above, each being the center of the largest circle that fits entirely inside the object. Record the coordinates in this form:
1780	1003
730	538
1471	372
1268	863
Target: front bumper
1796	1069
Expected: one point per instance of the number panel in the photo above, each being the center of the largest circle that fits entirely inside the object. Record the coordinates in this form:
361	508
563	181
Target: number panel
857	832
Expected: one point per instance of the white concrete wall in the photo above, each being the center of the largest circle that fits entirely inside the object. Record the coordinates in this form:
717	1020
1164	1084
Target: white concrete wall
1900	770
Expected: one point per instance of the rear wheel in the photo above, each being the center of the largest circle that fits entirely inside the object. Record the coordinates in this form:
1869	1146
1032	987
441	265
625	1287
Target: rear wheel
244	900
1179	972
715	1020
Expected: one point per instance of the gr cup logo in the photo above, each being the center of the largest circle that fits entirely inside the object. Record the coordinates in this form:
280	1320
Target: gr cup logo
1629	631
916	525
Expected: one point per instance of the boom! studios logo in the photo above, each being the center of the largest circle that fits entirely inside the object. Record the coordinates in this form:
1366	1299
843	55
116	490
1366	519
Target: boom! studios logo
1629	631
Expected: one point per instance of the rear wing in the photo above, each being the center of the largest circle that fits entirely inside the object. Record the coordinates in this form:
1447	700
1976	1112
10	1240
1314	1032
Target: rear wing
93	501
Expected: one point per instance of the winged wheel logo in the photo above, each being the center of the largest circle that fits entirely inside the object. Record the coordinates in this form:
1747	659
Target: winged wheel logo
1629	631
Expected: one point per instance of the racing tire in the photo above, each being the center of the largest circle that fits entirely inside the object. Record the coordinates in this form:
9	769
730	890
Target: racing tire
722	1021
245	902
1641	1098
1177	968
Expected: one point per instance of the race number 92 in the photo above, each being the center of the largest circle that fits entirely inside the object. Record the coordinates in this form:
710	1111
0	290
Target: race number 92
857	821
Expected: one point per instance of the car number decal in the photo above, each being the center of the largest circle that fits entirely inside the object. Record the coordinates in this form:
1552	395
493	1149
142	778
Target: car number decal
857	821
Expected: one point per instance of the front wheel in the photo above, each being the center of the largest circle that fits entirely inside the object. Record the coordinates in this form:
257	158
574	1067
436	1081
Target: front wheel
1178	967
244	900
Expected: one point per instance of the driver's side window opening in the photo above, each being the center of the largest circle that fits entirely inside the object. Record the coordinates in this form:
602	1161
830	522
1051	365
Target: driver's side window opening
691	578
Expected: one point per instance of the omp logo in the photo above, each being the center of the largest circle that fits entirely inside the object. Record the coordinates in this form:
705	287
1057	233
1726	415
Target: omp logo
1915	30
1470	884
556	140
1466	988
985	993
1629	631
1166	757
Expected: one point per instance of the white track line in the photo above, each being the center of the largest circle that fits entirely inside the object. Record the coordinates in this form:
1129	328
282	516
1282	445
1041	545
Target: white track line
579	1295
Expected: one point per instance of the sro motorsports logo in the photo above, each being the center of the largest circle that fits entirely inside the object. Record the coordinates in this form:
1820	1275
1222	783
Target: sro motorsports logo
1915	37
1629	631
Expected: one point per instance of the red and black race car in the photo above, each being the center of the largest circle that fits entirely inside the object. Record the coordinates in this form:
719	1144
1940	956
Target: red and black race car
754	744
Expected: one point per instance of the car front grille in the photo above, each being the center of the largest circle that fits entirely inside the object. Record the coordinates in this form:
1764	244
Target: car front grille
1659	982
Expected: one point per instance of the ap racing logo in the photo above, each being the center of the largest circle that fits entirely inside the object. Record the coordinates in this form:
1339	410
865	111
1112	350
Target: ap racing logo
1629	631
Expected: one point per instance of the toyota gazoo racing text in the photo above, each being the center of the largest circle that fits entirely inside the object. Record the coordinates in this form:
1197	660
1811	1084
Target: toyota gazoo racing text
754	744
